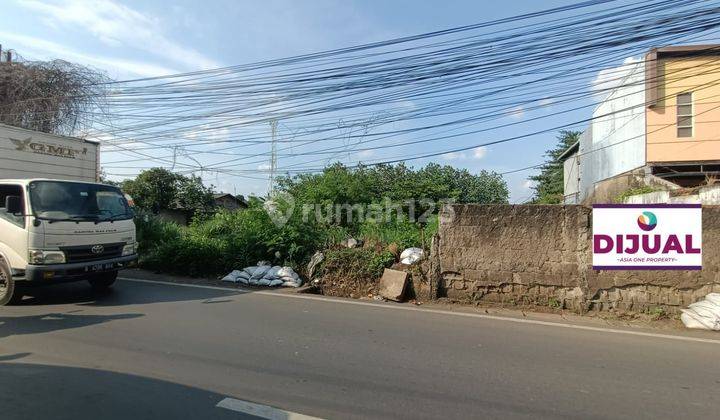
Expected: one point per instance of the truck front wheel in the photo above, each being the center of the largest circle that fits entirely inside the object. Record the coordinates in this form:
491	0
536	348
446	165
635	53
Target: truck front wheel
103	281
9	292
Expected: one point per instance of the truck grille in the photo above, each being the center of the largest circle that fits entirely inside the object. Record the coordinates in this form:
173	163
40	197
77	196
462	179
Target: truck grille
85	252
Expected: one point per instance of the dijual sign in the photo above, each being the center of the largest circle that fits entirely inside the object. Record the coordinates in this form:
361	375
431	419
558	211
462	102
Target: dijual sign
647	237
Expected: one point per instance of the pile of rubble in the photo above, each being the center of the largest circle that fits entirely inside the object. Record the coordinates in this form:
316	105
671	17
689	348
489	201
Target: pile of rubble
392	285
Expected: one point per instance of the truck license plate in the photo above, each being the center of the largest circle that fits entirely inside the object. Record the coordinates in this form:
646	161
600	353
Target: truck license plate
100	267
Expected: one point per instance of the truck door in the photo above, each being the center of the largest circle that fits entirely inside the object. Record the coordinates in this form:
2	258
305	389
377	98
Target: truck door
13	235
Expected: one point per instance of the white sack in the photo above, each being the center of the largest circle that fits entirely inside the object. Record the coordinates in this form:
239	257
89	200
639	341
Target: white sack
271	274
259	273
232	276
714	298
704	314
411	256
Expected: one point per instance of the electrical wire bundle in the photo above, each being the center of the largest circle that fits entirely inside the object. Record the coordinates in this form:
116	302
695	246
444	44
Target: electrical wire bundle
404	99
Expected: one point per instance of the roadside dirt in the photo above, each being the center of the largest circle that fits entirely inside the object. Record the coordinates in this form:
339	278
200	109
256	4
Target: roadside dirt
355	289
367	291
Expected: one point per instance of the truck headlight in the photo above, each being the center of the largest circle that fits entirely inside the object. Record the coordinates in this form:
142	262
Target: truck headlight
39	256
129	249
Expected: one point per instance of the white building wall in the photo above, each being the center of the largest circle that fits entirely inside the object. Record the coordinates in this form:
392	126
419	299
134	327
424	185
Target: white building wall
571	180
615	140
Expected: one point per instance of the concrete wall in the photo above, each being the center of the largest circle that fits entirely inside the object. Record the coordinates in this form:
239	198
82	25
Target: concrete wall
655	197
535	254
609	190
708	195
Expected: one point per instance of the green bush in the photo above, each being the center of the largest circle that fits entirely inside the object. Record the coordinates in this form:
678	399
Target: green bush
227	241
338	184
193	256
217	243
232	240
152	231
404	233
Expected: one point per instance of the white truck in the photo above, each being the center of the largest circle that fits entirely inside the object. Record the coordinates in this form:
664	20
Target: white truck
57	223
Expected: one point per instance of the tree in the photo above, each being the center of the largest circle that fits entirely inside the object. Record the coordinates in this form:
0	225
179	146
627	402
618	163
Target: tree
192	194
339	185
549	182
159	189
51	96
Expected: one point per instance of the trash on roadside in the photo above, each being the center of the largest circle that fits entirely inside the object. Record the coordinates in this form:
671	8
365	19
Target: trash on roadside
704	315
265	275
351	243
411	256
232	276
316	259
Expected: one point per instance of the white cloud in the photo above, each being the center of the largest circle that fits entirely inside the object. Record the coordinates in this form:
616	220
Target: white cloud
100	136
264	167
366	153
207	135
479	152
517	112
117	25
41	49
528	184
608	79
547	101
453	156
407	105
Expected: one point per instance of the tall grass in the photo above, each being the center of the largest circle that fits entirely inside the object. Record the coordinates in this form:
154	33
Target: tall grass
232	240
401	231
225	241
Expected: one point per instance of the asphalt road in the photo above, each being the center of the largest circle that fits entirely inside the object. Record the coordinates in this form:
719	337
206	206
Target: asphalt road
163	351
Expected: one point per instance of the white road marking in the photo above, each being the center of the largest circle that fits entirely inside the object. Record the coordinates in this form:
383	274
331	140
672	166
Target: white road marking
259	410
435	311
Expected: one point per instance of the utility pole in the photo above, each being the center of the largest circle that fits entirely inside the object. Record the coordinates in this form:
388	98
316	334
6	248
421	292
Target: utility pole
273	156
175	151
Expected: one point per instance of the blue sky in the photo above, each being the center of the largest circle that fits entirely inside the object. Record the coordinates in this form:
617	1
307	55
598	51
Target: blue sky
131	39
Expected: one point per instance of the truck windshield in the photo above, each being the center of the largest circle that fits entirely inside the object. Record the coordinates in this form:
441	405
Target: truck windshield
57	200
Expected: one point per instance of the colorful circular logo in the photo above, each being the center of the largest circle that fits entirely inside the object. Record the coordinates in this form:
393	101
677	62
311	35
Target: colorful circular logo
647	221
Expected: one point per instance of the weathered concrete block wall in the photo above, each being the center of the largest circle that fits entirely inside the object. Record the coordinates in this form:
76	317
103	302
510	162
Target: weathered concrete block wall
707	195
608	190
541	254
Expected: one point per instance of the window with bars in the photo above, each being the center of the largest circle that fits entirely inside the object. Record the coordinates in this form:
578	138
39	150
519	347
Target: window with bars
684	115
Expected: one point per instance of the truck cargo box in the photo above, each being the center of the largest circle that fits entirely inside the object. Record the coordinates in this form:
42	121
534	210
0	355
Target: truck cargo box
32	154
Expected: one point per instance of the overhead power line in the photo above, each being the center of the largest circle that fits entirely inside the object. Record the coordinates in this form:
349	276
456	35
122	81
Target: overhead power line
441	88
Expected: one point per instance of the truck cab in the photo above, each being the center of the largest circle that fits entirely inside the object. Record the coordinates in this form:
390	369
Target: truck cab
54	231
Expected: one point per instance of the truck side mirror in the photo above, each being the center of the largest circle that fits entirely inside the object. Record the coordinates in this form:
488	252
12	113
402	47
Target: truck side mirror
13	204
